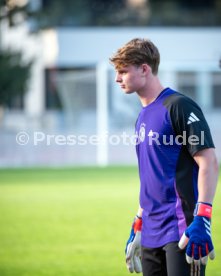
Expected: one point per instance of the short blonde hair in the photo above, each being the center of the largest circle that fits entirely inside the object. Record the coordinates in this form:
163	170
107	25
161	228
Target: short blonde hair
137	52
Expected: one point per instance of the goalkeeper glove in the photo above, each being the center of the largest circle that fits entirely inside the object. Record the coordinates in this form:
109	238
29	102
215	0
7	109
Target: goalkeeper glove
197	236
133	247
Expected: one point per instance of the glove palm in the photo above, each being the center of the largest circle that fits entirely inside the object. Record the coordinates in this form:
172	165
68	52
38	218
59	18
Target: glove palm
197	237
133	247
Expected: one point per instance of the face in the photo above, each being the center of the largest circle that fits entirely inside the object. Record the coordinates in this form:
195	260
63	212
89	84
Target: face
130	78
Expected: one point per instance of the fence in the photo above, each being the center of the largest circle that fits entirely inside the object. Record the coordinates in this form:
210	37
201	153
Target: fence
95	124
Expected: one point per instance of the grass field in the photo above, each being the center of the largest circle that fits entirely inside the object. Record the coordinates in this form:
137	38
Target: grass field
72	221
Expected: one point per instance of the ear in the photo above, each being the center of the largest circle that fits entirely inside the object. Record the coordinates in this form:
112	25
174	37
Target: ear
145	69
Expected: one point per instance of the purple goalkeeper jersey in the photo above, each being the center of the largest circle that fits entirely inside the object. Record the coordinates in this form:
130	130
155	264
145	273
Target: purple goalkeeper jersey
169	131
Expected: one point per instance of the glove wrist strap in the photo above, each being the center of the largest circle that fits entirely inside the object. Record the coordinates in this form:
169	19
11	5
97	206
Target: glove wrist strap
203	209
137	224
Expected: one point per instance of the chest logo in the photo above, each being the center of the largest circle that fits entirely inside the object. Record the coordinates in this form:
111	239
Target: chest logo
142	132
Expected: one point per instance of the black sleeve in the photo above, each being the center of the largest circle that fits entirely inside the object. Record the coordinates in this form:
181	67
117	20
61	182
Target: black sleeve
187	119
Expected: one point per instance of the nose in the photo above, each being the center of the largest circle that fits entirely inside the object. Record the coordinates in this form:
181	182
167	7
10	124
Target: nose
118	78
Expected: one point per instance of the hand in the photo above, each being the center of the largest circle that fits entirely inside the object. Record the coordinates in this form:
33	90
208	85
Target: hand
197	236
133	247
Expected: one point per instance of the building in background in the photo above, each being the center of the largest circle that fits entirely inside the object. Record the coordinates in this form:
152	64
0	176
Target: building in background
72	91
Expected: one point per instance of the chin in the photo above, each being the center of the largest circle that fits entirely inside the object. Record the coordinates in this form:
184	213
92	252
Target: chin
126	91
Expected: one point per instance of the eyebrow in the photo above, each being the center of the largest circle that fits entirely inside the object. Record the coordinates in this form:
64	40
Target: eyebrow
121	70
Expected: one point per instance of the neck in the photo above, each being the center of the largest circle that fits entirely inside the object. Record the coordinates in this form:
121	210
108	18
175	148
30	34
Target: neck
150	92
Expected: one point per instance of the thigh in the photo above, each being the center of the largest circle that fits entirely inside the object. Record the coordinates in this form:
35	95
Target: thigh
176	262
153	262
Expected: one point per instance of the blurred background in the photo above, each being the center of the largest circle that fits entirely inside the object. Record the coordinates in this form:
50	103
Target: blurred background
67	209
55	75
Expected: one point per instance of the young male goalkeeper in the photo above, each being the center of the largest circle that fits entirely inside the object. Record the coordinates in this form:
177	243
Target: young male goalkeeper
177	167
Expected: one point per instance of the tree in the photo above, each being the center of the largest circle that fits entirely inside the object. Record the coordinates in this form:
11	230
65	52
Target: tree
14	76
14	73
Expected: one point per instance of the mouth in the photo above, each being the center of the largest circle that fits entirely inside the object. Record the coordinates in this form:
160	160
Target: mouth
122	86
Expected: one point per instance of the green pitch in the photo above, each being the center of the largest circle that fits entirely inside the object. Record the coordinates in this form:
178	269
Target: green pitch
72	221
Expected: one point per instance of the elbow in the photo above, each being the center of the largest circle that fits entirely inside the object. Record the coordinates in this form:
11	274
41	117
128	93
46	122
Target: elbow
207	161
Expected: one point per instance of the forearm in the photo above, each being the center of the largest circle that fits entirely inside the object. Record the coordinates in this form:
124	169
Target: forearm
208	175
207	182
